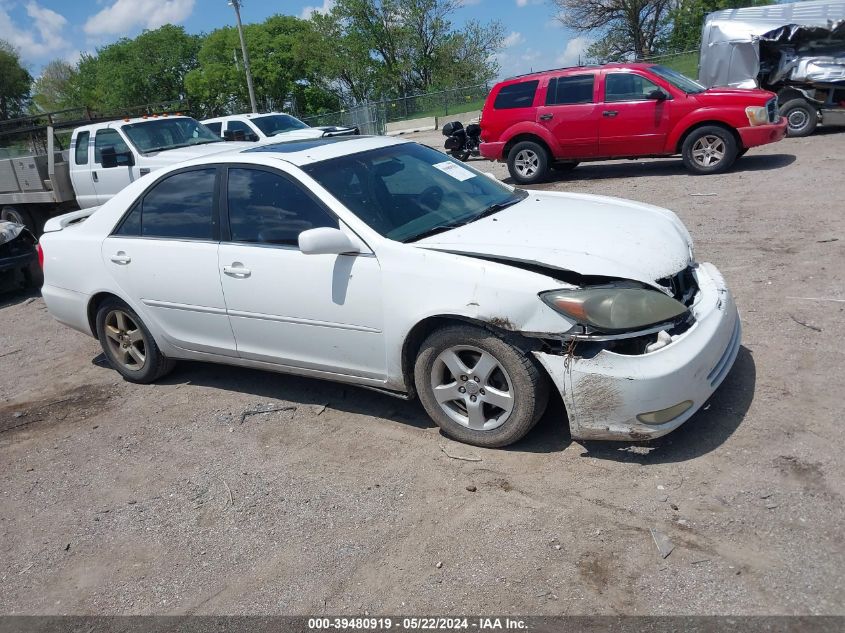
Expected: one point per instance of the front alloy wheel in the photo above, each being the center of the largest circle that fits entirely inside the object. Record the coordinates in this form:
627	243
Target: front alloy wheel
709	150
478	388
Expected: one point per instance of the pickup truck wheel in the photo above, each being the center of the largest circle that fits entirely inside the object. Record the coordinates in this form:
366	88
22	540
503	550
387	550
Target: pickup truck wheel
709	150
802	117
478	388
18	216
128	344
528	163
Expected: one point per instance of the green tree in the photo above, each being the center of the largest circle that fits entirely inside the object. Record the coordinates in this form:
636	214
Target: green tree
15	83
149	69
280	60
56	88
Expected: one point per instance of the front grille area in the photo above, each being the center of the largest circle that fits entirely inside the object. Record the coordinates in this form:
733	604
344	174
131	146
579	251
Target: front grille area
772	107
682	285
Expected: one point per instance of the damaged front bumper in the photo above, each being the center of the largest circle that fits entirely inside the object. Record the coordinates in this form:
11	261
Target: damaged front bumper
606	392
763	134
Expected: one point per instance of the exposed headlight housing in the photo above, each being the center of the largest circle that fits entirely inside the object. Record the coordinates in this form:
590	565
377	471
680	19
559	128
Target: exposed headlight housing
611	309
757	115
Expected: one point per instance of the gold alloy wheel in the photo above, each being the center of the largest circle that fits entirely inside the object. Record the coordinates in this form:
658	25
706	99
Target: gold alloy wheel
126	340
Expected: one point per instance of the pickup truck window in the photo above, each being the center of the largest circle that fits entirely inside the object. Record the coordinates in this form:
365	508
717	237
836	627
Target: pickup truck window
519	95
627	87
108	138
163	134
273	124
217	128
239	126
570	90
80	153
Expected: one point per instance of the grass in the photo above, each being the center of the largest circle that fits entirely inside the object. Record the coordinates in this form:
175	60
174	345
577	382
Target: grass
687	64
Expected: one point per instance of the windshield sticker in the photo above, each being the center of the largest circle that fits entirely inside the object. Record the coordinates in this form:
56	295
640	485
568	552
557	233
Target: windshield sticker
455	171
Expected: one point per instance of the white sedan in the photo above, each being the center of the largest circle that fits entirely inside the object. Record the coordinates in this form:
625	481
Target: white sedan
387	264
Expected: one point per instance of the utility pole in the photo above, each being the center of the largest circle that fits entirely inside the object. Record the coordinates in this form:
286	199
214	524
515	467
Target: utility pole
236	4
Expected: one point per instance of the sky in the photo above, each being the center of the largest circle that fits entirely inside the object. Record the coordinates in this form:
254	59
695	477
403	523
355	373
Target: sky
43	30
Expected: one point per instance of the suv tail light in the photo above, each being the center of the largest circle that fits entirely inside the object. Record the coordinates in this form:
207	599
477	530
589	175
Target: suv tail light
40	255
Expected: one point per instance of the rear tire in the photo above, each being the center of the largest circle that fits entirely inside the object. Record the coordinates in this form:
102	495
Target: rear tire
528	163
803	118
19	215
128	344
709	150
478	388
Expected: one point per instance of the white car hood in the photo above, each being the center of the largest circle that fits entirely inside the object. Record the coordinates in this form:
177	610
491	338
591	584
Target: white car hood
297	135
588	235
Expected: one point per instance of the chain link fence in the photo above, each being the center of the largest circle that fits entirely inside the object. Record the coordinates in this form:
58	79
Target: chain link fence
372	117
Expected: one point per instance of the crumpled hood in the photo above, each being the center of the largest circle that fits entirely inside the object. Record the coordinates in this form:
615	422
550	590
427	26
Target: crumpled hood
589	235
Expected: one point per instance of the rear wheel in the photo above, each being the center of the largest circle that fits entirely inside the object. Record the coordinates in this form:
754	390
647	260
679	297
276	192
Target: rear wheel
528	163
478	388
19	215
128	344
802	117
709	150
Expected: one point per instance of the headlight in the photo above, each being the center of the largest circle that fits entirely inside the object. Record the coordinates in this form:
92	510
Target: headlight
757	115
615	309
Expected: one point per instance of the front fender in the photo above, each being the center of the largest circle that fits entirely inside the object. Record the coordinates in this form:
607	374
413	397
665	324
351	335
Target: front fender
721	116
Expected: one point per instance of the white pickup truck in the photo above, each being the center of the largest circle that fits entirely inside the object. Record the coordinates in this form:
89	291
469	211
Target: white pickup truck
271	125
102	159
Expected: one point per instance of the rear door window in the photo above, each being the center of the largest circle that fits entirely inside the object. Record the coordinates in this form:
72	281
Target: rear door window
570	90
80	154
519	95
181	206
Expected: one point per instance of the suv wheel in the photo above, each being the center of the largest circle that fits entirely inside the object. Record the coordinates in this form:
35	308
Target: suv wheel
478	388
528	163
801	116
709	150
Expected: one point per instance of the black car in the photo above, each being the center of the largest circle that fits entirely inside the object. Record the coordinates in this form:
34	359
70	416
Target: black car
18	257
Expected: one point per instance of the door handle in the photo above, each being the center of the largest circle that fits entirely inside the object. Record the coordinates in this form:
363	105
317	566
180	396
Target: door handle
94	176
121	258
610	113
547	117
237	270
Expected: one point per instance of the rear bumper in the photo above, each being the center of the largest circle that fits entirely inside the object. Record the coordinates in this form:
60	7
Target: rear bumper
605	394
68	307
763	134
492	151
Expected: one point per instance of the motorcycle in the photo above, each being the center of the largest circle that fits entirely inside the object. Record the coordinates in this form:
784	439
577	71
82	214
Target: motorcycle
462	142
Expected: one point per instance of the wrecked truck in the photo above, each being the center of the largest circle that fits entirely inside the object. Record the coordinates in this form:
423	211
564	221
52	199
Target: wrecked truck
795	50
386	264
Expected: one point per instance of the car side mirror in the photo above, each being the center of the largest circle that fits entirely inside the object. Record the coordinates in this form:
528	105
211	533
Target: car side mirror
658	95
110	158
326	241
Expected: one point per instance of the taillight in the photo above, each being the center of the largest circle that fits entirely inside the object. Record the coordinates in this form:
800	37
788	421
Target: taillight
40	255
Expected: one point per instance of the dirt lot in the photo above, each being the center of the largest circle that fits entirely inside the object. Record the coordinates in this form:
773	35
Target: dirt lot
118	498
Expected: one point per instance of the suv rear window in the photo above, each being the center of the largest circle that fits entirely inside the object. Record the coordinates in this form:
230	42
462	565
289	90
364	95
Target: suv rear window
570	90
520	95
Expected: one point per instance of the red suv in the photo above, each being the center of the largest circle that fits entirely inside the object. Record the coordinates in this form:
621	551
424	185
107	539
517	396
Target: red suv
558	118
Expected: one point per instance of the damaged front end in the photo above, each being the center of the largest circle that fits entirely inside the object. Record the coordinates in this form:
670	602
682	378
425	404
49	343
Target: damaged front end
645	381
18	257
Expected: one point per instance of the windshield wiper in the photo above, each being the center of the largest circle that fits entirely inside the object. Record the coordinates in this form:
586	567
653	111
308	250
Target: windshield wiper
519	196
441	228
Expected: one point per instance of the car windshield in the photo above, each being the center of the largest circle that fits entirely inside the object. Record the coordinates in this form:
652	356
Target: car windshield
273	124
156	135
408	192
680	81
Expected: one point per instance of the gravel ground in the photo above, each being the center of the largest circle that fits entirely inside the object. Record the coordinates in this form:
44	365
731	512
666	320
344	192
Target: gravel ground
125	499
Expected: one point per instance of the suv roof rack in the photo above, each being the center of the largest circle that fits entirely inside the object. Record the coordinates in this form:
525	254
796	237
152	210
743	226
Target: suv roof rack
552	70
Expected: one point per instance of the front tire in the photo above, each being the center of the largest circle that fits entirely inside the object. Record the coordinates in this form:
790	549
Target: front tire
128	344
477	388
802	117
528	163
709	150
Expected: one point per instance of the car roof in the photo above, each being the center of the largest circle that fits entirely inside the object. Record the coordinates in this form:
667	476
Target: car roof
303	152
573	69
245	115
